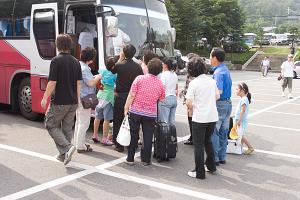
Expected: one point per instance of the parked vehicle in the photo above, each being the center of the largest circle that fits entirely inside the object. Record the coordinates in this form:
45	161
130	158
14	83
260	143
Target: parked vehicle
280	39
297	70
28	30
249	39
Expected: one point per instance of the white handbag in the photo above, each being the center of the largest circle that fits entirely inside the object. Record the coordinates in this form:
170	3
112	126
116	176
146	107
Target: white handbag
234	147
124	136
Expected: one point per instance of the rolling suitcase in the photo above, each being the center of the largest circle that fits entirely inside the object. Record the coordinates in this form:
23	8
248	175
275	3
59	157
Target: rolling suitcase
165	141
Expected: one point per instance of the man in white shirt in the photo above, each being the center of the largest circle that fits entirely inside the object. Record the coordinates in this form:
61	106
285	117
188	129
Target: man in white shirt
114	45
265	64
86	39
287	72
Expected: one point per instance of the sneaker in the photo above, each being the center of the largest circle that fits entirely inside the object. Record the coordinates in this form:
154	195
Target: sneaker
223	162
69	154
290	96
282	94
129	162
192	173
210	171
60	157
188	142
249	151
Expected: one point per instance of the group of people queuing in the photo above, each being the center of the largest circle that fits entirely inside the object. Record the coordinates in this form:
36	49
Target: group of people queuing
128	88
146	92
209	109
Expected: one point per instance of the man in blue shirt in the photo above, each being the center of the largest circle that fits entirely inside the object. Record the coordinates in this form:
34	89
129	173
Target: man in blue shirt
224	83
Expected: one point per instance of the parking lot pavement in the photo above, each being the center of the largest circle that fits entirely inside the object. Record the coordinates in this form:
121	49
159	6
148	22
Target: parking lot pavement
28	169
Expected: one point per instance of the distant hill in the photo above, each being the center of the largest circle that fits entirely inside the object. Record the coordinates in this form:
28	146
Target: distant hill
269	8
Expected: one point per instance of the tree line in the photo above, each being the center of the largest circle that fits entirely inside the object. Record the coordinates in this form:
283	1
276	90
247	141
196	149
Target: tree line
210	19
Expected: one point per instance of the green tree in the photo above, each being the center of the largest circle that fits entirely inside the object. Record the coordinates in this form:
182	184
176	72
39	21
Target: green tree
211	19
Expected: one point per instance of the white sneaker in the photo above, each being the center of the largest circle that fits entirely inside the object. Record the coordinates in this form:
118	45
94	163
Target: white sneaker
290	96
192	173
68	155
282	94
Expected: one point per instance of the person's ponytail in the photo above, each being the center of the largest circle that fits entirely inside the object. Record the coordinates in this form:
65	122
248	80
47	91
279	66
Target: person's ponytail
249	97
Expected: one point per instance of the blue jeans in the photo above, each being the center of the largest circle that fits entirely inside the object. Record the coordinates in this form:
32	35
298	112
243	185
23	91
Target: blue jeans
167	110
219	137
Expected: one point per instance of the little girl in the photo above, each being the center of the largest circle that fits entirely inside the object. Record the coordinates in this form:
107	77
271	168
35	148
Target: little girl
241	114
104	109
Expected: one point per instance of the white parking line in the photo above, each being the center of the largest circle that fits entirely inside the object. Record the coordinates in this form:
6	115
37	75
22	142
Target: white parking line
45	186
175	189
274	127
278	154
272	107
266	101
88	170
281	113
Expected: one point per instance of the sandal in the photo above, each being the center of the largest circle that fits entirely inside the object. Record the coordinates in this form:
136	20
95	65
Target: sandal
88	149
96	141
106	142
249	151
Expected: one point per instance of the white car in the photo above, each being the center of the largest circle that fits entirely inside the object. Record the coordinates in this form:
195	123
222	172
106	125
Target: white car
297	70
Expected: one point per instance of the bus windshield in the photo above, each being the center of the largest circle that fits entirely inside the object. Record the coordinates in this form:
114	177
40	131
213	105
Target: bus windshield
134	28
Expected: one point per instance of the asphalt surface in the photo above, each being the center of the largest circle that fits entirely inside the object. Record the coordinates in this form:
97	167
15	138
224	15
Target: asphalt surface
28	169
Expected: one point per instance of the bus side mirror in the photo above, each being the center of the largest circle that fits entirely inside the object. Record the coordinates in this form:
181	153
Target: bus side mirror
173	34
111	26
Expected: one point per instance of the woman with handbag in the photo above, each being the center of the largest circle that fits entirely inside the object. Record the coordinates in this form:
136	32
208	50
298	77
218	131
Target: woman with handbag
83	112
141	104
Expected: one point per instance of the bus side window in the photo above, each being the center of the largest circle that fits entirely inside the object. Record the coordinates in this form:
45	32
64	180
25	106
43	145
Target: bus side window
44	32
6	18
22	18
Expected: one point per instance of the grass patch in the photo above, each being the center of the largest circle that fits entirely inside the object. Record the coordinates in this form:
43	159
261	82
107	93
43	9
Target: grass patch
239	58
277	50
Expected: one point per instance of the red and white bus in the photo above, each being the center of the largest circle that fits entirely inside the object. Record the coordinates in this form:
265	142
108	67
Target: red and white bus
28	30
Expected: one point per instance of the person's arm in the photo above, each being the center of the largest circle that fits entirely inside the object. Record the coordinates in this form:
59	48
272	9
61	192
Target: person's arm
243	110
79	78
131	95
219	80
93	82
128	103
217	94
189	104
177	92
190	96
282	69
78	90
49	90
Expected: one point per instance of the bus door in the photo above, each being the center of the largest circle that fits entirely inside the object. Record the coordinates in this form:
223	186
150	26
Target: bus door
43	32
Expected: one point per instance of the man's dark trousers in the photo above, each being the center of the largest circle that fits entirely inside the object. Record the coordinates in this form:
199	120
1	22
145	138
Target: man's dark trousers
120	100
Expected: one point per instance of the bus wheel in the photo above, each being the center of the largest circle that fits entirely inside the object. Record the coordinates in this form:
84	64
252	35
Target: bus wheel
24	97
